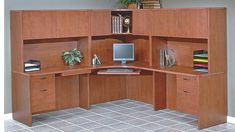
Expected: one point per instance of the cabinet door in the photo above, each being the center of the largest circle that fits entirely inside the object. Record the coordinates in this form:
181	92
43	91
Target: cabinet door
42	93
72	23
164	22
187	94
193	23
141	22
100	22
39	24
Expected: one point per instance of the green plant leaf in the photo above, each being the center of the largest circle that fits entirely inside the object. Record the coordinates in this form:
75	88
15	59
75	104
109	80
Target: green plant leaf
72	56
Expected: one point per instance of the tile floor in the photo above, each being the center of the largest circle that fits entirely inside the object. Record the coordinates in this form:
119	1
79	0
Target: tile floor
116	116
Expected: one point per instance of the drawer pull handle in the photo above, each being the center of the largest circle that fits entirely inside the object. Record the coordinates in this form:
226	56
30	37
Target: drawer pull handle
44	90
43	78
186	78
186	91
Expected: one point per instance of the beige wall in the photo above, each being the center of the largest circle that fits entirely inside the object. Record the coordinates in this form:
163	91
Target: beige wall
39	4
230	5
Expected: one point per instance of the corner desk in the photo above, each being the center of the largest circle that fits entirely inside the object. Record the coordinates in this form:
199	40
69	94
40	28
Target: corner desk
45	34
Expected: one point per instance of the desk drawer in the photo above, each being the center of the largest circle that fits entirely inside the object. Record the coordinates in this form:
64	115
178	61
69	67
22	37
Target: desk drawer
187	94
42	93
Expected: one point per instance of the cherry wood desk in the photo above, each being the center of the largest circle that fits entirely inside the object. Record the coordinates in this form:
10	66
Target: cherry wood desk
45	34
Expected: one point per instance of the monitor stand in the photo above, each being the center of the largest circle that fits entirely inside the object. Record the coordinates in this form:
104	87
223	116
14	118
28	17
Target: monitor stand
123	61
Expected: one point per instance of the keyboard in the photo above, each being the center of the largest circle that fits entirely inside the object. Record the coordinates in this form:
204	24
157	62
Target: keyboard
120	70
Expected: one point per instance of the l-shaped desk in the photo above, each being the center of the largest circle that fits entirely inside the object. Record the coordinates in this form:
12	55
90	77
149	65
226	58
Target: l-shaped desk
45	34
191	89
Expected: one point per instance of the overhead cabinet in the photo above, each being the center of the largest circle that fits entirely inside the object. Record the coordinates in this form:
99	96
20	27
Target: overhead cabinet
100	22
38	24
193	23
141	22
72	23
164	22
187	23
54	24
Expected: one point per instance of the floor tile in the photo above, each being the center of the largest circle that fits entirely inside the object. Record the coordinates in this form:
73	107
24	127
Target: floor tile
78	121
166	130
22	130
107	121
127	111
138	115
134	129
95	117
121	125
182	127
60	124
151	126
72	128
129	105
119	102
216	128
136	122
167	122
183	119
57	113
12	127
124	118
228	125
111	114
90	125
103	129
115	116
229	130
141	108
50	120
168	115
152	118
99	110
43	128
41	117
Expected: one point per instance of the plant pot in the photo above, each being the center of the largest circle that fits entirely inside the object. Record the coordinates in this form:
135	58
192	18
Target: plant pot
132	6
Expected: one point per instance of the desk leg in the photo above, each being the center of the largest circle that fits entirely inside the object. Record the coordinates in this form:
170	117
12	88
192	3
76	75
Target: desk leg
84	91
159	88
212	100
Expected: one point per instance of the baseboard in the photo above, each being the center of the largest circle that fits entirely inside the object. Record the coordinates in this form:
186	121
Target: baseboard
8	116
231	119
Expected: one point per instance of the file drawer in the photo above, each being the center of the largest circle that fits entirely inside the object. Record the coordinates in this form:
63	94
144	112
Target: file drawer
187	94
42	93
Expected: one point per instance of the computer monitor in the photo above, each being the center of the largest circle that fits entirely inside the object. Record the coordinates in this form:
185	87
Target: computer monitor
123	52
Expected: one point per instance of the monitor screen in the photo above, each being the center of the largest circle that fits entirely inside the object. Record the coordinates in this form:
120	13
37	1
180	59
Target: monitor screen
123	52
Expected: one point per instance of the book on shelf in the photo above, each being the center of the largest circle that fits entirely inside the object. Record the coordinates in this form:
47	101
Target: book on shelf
117	24
149	4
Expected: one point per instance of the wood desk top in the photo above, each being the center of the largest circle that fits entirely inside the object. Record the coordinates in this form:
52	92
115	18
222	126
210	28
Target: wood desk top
76	69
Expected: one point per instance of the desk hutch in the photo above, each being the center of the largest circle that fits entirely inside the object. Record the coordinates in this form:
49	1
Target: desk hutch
45	34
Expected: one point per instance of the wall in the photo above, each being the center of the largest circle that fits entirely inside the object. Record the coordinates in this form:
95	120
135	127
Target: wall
230	5
40	4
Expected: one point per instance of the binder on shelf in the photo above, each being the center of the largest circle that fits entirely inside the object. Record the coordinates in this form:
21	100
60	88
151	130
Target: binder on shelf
200	61
32	65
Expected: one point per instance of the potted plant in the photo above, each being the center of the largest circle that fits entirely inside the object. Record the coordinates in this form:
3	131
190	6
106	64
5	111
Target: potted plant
72	57
130	4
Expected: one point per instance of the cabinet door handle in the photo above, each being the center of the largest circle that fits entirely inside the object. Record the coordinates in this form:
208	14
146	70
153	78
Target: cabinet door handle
186	79
186	92
43	78
44	90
